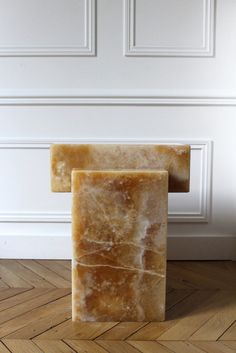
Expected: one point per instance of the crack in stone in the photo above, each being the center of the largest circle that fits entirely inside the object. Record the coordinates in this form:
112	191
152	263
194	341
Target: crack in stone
121	268
111	244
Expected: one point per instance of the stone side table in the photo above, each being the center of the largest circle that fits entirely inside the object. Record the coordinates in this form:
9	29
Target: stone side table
119	225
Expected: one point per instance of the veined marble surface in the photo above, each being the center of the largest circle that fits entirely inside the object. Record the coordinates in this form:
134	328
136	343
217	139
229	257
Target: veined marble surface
173	158
119	225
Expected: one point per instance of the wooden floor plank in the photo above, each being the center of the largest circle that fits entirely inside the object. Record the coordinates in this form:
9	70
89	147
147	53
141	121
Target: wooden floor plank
118	347
27	275
19	298
57	312
65	263
154	330
230	344
122	330
9	308
54	347
175	280
215	327
181	347
45	273
213	347
168	289
188	325
230	333
41	307
3	348
184	269
21	346
3	284
11	292
220	271
149	347
80	330
11	279
176	296
61	331
84	346
56	267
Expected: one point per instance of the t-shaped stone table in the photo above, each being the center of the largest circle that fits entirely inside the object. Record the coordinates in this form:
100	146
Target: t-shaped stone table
119	225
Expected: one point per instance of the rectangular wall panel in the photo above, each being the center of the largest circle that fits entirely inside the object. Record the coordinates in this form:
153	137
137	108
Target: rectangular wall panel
169	27
47	27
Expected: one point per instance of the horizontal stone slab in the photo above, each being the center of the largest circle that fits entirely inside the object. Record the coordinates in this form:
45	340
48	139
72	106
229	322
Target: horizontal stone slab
173	158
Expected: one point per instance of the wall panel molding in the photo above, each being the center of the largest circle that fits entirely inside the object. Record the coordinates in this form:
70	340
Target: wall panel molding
116	100
207	48
204	213
204	196
87	49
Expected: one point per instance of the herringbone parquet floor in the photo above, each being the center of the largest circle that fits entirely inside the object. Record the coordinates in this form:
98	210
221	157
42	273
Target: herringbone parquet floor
35	312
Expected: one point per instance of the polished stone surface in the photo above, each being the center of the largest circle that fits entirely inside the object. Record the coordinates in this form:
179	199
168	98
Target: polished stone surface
173	158
119	227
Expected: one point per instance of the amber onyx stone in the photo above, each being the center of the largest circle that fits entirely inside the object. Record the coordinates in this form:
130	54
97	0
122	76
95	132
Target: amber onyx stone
119	230
173	158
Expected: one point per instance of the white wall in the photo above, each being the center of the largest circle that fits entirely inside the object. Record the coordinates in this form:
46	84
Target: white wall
139	71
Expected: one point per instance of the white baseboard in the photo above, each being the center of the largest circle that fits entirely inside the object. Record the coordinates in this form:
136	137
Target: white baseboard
59	247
